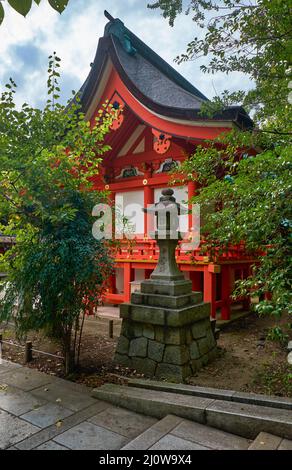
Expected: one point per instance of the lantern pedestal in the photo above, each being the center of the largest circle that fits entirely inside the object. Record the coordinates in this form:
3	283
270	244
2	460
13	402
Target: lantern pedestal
166	330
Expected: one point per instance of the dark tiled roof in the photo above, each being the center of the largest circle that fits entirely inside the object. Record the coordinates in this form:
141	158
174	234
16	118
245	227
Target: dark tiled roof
150	79
153	83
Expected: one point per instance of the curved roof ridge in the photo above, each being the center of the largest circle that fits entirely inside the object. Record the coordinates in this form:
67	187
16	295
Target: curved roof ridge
117	28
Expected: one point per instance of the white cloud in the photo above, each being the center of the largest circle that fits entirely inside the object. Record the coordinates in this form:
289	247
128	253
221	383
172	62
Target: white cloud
74	36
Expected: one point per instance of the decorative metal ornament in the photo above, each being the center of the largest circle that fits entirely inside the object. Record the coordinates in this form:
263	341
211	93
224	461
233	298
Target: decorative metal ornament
162	142
116	109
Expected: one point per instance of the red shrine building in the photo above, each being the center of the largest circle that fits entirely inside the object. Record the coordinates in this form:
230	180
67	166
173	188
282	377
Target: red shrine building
157	124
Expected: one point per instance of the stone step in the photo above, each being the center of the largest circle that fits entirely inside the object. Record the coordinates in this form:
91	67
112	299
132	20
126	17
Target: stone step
216	393
265	441
168	301
242	419
166	287
169	317
173	432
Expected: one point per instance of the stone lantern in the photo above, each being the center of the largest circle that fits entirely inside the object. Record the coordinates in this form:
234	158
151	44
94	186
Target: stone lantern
166	330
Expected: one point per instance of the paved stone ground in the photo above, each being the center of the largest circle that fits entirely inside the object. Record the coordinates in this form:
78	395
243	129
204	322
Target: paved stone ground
39	411
43	412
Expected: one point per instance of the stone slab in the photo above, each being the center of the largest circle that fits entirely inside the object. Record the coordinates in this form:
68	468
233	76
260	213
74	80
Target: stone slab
67	396
249	420
285	445
169	301
49	433
216	393
265	441
149	437
6	366
264	400
166	287
51	445
47	415
18	402
26	379
170	442
124	422
184	389
13	429
209	437
88	436
154	403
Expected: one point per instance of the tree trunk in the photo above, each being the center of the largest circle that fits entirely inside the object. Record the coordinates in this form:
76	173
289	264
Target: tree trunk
69	354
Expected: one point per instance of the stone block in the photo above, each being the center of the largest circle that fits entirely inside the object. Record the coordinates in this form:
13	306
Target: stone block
144	366
187	315
188	335
166	287
205	345
194	350
172	372
174	336
148	331
168	301
264	400
123	345
138	347
176	355
127	329
196	364
137	329
146	314
123	360
155	403
200	328
125	310
159	333
249	420
155	350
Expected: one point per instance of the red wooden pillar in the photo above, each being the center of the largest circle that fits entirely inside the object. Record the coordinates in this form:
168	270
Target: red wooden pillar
210	290
148	199
192	187
226	288
128	277
112	284
148	272
195	277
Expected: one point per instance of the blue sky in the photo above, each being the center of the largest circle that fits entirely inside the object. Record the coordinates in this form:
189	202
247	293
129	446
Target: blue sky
26	43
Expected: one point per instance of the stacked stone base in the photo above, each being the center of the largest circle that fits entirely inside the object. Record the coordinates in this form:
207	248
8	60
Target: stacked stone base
166	331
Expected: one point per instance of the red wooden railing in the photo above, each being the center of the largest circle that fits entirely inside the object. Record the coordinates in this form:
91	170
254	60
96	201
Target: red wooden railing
142	250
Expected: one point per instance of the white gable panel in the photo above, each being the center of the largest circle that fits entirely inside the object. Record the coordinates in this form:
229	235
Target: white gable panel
181	195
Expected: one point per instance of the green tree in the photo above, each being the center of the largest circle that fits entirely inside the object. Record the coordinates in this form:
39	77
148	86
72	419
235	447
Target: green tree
247	175
47	158
23	6
254	38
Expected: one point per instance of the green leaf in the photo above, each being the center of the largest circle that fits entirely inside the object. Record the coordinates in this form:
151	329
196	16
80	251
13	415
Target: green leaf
21	6
58	5
2	13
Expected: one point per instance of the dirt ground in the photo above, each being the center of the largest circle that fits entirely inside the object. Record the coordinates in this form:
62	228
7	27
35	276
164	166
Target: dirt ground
247	360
